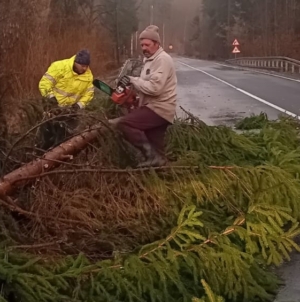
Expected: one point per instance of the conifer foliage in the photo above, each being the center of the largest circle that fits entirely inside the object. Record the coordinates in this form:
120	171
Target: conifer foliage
208	228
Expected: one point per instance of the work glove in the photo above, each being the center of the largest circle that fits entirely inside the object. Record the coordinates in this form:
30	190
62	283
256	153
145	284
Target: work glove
55	111
125	81
49	105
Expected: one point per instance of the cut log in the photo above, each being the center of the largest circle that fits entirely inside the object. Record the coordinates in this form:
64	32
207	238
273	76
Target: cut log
49	161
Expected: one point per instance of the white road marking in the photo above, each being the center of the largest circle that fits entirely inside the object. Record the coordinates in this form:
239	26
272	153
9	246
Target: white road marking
258	71
244	92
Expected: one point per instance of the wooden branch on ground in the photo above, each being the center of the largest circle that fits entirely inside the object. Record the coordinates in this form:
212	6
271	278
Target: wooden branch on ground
49	161
120	171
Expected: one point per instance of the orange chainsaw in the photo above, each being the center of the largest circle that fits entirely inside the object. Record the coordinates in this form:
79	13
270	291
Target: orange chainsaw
122	95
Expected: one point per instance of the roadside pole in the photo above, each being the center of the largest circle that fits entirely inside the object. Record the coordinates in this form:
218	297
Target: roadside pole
236	49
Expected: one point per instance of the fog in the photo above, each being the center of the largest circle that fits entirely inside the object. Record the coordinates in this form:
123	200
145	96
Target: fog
173	17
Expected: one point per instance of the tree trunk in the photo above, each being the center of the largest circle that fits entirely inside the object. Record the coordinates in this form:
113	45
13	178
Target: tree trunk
50	160
117	31
276	29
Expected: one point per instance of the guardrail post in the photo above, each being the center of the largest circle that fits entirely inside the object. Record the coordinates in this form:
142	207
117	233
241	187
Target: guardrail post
277	64
293	68
286	66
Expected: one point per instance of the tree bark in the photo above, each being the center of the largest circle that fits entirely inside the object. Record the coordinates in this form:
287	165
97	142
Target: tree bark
50	160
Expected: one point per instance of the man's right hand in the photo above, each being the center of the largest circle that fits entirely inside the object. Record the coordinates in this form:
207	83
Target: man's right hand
52	101
125	81
49	104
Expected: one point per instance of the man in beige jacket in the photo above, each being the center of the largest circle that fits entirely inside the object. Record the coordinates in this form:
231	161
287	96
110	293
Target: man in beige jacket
146	126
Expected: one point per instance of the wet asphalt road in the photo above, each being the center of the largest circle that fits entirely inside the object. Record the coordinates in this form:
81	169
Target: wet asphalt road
222	95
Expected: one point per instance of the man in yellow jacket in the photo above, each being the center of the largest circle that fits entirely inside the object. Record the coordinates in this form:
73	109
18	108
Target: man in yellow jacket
69	82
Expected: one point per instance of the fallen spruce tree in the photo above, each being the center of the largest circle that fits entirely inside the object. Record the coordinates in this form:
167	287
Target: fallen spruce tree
209	227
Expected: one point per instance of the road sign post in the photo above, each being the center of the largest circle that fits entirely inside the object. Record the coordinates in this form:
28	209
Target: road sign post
236	49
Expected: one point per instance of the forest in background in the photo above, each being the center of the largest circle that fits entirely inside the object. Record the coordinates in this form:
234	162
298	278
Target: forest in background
207	28
263	28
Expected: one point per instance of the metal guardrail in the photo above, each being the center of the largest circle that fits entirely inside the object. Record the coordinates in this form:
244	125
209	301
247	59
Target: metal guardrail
282	64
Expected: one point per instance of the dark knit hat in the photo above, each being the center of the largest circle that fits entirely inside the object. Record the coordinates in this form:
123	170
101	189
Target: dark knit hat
83	57
151	33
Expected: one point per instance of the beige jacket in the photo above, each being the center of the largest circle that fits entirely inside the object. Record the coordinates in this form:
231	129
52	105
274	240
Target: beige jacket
157	84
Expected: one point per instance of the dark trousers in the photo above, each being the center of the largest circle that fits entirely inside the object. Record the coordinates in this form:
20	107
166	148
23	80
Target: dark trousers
144	126
53	133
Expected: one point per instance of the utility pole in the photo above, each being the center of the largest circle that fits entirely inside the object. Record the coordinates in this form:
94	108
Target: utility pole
185	28
184	34
151	14
228	20
171	28
163	21
152	6
266	28
136	41
117	32
131	46
163	44
276	28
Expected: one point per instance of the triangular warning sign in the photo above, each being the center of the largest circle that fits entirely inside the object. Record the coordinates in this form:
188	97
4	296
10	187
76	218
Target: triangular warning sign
235	43
236	50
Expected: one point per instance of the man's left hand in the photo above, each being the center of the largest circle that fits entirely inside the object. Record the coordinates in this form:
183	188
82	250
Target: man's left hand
75	107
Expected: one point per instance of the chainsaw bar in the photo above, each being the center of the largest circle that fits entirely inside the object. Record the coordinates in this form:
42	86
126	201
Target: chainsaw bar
103	87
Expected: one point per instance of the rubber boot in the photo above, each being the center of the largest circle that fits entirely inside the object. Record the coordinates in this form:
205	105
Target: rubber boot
153	159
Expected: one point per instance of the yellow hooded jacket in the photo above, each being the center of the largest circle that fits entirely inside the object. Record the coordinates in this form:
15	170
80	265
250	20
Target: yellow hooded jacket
67	86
